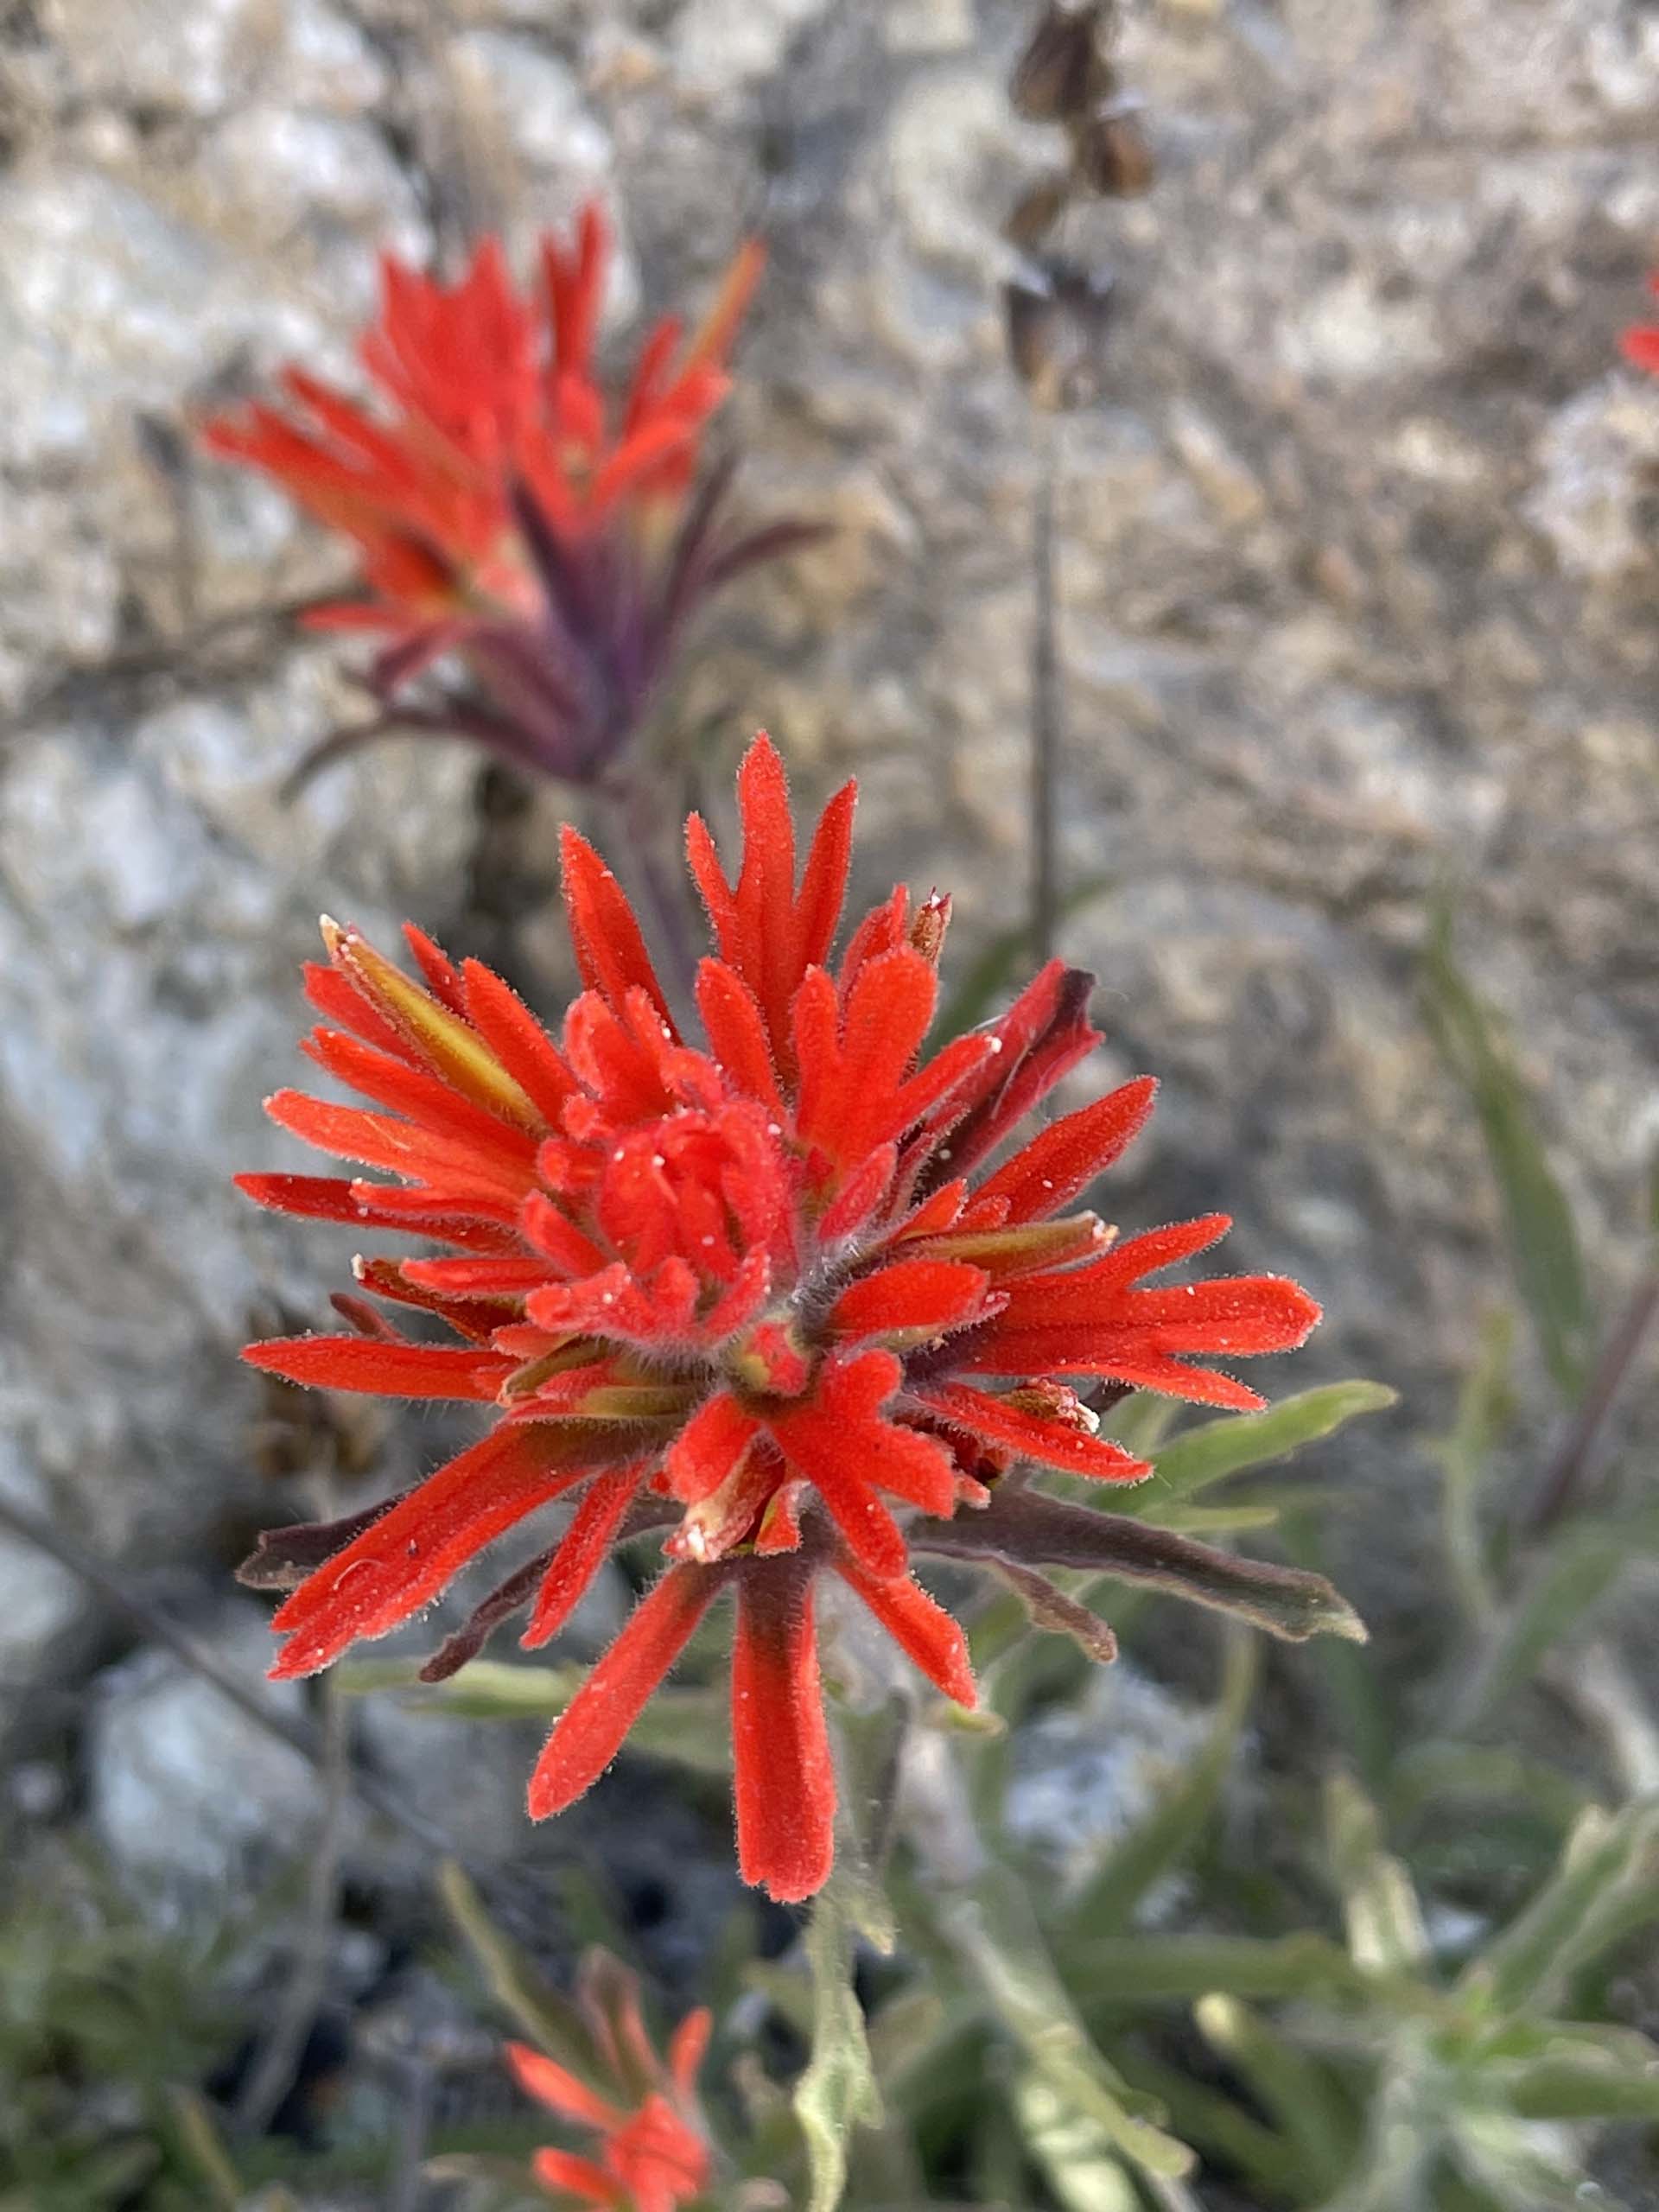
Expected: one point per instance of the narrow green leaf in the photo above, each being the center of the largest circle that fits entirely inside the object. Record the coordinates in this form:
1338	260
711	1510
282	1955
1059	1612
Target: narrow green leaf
1354	1688
1222	2127
1130	1972
838	2090
1140	1422
1200	1456
1567	1582
1543	1240
1485	1406
689	1727
1223	1448
1293	2088
550	2020
1575	1914
1402	2138
993	1931
1240	1520
1436	1772
1163	1840
1384	1922
1519	2165
1072	2150
205	2149
905	2031
1576	2088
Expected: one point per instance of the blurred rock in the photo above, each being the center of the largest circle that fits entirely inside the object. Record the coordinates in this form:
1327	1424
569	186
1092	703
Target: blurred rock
45	1616
1084	1776
470	1776
186	1794
200	59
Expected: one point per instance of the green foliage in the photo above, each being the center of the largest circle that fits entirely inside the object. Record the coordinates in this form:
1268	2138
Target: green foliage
837	2091
1544	1239
1215	1449
107	2028
687	1726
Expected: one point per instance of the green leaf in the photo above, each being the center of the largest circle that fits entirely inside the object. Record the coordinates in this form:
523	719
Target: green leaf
689	1726
1354	1688
1162	1840
1466	1776
1485	1407
1403	2123
1517	2163
1582	1909
1293	2088
205	2150
1383	1920
1579	2080
1240	1520
1222	2128
994	1932
838	2089
1217	1448
1543	1240
905	2032
1567	1582
1130	1972
1140	1423
1073	2151
550	2021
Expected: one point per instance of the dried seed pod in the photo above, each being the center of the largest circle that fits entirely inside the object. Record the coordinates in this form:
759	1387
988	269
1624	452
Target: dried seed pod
1063	72
1112	154
1059	321
1037	211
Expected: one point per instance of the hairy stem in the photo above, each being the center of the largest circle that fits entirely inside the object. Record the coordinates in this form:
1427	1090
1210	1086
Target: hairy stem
1047	700
637	824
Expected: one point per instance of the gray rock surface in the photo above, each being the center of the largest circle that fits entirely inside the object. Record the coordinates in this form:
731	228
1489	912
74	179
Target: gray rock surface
187	1795
1359	578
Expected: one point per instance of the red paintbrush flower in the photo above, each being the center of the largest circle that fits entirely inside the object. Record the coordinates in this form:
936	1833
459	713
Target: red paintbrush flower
510	522
1640	343
756	1293
652	2153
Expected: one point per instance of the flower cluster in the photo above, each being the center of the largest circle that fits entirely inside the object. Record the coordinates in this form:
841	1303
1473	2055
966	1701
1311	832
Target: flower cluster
1641	342
759	1294
652	2153
510	523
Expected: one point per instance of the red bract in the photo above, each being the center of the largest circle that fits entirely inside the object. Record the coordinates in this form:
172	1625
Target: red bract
510	522
755	1291
1641	342
652	2154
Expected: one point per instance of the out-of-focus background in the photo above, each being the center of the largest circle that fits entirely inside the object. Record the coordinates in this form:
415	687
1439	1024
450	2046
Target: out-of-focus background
1359	574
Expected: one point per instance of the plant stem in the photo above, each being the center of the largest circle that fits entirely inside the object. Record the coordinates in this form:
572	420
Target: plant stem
637	826
1047	701
1566	1475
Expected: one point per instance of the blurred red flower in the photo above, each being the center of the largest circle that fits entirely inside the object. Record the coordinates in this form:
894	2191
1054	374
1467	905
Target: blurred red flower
752	1292
652	2154
1640	343
509	522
